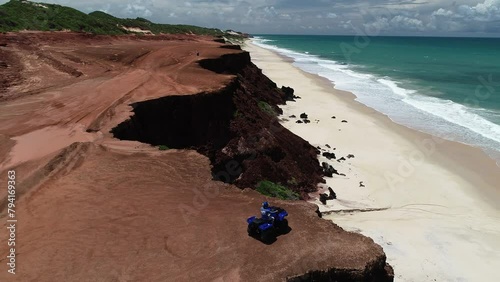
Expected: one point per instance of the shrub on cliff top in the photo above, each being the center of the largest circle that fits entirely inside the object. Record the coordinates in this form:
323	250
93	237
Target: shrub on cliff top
272	189
267	108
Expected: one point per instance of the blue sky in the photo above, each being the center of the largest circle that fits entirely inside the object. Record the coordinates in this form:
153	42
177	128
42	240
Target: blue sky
376	17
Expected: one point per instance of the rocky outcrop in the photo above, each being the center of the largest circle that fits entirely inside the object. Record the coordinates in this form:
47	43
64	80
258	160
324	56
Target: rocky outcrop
329	170
236	127
329	155
323	197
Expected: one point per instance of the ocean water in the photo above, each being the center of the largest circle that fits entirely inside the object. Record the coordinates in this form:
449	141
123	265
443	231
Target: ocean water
448	87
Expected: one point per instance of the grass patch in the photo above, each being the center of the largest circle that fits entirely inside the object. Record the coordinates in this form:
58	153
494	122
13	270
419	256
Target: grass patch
267	108
163	148
272	189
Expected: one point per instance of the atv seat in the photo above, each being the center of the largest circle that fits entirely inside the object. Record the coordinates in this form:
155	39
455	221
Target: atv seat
260	221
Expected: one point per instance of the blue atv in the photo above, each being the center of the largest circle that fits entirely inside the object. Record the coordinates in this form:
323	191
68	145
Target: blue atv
271	224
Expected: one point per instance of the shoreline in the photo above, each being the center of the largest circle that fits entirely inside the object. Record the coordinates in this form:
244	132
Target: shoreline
453	137
436	180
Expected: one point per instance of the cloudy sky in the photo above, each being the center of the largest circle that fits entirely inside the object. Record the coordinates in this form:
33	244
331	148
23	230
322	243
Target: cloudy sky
384	17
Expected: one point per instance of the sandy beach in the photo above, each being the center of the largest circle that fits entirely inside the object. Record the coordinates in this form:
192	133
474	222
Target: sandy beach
433	205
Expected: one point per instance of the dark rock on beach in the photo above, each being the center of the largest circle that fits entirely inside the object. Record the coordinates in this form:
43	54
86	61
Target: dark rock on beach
323	197
303	116
288	93
329	155
328	170
333	195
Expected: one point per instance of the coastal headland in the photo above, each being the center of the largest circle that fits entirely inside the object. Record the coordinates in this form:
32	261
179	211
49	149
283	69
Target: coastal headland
115	142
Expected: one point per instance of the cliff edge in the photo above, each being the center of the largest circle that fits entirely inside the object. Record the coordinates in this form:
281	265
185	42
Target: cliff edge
93	207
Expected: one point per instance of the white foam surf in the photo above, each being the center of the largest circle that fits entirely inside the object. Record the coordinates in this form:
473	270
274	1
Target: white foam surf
410	107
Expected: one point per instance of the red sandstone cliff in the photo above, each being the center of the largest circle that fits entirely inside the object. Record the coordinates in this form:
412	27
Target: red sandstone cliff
91	207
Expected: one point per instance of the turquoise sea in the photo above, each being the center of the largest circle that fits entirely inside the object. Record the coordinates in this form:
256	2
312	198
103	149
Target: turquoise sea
449	87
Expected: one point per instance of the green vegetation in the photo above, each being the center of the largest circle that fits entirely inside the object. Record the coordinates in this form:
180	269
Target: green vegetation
272	189
24	15
163	148
19	15
267	108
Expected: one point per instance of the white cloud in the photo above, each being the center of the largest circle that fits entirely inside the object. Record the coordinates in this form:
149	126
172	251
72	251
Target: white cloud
287	16
331	15
442	12
135	10
270	11
486	11
396	23
478	17
346	25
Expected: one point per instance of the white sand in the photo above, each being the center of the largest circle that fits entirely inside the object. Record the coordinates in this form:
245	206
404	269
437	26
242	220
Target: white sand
439	201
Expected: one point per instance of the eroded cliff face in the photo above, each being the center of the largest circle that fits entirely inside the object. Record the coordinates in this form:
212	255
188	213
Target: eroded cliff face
377	271
236	127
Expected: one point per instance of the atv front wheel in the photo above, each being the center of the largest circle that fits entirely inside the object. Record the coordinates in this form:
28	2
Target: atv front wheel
283	227
267	235
252	230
